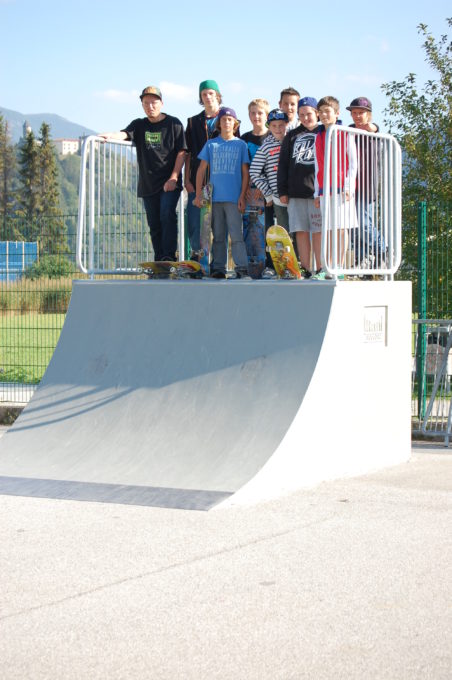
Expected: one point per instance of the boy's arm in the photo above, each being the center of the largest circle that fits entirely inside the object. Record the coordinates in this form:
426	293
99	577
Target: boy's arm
258	176
282	177
318	175
188	185
199	182
245	182
350	180
121	136
171	182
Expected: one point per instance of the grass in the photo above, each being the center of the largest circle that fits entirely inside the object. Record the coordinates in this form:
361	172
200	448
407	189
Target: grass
27	342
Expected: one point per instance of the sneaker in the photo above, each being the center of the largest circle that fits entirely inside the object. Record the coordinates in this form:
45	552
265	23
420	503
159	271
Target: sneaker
217	274
305	273
320	275
268	273
242	275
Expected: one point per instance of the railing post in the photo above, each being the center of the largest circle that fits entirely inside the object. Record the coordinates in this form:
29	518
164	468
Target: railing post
422	305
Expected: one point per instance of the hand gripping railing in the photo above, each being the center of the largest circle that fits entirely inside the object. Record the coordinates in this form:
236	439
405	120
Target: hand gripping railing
361	203
112	231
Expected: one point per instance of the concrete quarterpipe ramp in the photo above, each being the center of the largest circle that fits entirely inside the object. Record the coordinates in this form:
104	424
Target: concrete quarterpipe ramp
191	394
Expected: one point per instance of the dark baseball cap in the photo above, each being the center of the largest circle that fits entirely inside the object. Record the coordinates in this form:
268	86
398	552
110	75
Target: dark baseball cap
226	111
151	89
360	103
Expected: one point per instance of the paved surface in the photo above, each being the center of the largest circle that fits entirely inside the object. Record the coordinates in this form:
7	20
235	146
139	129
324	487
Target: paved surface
348	580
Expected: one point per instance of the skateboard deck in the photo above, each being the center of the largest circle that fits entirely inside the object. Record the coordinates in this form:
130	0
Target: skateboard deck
205	234
279	245
187	269
254	233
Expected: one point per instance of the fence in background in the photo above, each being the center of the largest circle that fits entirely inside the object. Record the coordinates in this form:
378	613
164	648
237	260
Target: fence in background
112	232
361	203
431	377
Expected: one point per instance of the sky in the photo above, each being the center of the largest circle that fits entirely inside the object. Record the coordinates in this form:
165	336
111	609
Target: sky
88	61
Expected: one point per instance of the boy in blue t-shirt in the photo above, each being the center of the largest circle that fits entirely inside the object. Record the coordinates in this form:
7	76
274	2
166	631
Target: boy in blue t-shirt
228	161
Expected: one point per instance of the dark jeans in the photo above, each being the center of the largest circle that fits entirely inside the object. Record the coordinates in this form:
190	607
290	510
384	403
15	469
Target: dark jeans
162	220
193	222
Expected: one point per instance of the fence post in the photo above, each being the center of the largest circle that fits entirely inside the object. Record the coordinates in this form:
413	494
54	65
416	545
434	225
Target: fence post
422	305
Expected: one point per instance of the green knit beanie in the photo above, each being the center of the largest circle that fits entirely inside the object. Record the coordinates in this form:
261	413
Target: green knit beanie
208	85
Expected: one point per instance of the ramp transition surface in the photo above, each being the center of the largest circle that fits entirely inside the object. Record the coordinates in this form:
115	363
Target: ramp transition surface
167	393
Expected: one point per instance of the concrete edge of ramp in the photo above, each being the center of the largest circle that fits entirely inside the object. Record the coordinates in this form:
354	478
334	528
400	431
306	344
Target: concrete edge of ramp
181	499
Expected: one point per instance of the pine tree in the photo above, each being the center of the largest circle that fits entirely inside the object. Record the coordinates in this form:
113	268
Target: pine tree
8	230
53	233
29	198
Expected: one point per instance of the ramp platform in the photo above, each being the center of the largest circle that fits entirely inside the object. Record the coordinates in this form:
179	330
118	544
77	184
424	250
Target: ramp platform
190	394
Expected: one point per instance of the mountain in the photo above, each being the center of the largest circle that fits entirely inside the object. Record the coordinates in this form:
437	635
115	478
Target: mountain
59	127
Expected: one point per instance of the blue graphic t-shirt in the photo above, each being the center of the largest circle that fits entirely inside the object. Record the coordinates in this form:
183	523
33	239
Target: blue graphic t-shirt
225	158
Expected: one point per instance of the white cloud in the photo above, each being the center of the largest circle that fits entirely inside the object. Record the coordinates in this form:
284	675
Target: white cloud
362	79
234	87
118	96
175	92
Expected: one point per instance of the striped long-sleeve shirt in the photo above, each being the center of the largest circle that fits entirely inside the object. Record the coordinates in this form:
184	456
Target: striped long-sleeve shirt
264	168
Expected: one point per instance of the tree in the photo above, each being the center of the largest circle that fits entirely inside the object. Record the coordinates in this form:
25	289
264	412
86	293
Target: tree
7	174
29	199
421	121
39	196
53	233
420	118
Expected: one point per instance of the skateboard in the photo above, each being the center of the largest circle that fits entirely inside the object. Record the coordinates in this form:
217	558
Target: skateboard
279	245
187	269
205	234
254	234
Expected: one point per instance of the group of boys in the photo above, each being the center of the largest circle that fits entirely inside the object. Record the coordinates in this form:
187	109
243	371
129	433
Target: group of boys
278	165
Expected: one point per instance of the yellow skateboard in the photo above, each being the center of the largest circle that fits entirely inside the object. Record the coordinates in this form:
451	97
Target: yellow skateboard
279	245
172	270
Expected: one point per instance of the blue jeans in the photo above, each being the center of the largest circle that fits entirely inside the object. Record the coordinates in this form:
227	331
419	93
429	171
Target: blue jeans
193	222
162	220
370	240
226	218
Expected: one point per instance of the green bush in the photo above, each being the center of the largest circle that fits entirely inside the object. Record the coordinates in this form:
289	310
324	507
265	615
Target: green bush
50	266
55	301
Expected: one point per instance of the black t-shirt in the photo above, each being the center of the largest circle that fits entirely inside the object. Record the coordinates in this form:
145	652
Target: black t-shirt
157	146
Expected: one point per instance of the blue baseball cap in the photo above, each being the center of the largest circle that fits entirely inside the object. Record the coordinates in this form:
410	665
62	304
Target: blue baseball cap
226	111
277	114
308	101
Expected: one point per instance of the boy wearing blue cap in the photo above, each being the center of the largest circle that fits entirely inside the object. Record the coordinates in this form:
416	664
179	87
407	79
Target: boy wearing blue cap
296	173
226	159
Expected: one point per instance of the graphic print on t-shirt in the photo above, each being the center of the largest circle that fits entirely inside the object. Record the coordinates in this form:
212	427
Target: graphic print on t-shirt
225	159
153	140
303	149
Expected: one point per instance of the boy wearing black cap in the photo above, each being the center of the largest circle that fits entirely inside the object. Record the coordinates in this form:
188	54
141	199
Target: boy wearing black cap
226	158
200	128
160	145
370	248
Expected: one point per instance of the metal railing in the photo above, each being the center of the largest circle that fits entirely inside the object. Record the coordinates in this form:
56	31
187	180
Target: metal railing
431	385
112	230
362	213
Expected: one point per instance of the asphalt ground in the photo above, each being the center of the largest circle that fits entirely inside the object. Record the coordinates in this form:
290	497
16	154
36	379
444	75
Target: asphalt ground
348	580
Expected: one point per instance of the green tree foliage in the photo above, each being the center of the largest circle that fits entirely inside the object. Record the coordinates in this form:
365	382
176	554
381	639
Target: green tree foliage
7	175
53	232
51	267
420	118
29	199
39	194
